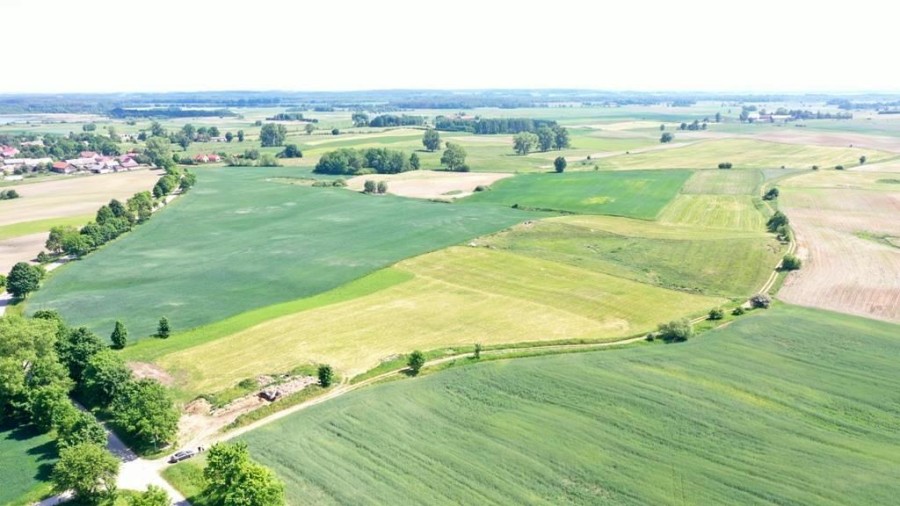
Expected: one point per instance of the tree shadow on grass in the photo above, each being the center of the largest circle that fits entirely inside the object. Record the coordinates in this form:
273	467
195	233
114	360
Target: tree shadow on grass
46	453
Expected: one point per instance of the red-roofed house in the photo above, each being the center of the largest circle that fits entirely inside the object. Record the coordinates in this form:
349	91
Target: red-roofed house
63	168
201	159
8	151
214	158
128	163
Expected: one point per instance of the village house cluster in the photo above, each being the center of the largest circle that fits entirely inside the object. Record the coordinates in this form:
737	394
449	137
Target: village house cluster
87	162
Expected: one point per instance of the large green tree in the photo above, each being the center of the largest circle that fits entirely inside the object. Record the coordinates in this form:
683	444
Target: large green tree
88	470
454	158
272	134
28	362
75	348
23	279
144	409
153	496
415	362
233	479
546	138
524	142
103	377
159	151
431	140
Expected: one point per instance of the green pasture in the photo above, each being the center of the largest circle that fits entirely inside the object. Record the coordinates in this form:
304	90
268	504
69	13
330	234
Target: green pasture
636	194
732	212
26	459
238	242
38	226
790	406
696	261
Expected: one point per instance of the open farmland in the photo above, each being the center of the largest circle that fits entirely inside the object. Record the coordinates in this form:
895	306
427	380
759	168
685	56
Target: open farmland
637	194
239	241
743	154
847	226
786	407
724	182
455	297
425	184
733	212
26	459
718	262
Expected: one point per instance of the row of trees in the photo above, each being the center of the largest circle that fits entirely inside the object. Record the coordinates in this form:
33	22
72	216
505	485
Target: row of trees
43	362
489	126
357	161
544	139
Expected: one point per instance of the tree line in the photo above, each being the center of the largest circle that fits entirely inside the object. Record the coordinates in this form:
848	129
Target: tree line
362	161
44	364
544	139
489	126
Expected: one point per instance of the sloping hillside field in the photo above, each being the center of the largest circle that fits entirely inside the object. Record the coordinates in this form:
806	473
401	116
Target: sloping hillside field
239	241
791	406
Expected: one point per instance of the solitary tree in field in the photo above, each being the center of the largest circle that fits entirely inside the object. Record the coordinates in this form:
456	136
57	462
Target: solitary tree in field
454	158
326	375
862	159
431	140
778	220
414	161
676	331
119	336
716	314
524	143
415	362
310	128
229	136
370	186
23	279
478	349
666	137
760	300
790	263
163	329
718	117
662	127
272	135
240	135
559	164
381	187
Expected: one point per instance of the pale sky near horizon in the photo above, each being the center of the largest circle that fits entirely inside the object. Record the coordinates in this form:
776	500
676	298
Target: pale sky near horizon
646	45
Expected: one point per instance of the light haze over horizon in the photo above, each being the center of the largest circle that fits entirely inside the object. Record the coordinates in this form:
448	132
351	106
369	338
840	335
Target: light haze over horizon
58	46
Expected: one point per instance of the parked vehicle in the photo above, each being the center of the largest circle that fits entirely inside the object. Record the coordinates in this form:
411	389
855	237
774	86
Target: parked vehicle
182	455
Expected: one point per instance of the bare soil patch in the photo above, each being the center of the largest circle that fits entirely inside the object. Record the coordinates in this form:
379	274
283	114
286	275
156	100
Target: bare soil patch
427	184
841	140
20	249
73	195
143	370
842	270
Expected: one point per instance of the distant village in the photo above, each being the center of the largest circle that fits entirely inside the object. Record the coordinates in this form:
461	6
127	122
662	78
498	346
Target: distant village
13	168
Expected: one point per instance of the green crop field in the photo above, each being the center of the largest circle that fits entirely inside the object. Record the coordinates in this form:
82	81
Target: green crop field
239	242
694	260
38	226
637	194
791	406
455	297
26	459
733	212
743	154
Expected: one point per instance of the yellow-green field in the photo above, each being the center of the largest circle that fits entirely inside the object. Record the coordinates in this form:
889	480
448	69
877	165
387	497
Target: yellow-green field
459	296
743	154
733	212
723	182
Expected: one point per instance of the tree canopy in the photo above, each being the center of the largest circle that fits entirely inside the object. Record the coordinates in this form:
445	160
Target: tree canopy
454	158
431	139
145	410
88	470
353	161
23	279
272	134
234	479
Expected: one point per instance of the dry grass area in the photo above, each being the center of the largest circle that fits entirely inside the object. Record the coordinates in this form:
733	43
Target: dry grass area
847	227
73	196
20	249
428	184
835	139
732	212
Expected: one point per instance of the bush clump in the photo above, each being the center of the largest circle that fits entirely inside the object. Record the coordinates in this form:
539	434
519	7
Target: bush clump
761	300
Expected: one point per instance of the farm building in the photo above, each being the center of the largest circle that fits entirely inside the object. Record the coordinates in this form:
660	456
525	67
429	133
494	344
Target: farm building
8	151
63	167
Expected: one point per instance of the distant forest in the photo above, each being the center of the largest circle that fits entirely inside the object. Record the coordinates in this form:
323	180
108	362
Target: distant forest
185	104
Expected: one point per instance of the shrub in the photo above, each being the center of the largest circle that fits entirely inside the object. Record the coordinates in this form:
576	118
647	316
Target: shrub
381	187
738	311
676	331
838	167
339	183
815	167
716	314
335	131
415	362
790	263
725	165
761	300
666	137
862	159
772	194
370	186
777	221
326	375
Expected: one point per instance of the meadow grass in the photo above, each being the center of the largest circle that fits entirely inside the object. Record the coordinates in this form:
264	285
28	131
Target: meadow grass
457	297
26	459
238	242
692	260
786	406
38	226
724	182
743	154
635	194
732	212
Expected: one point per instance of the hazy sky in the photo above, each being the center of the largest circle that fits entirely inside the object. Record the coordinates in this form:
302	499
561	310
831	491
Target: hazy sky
164	45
